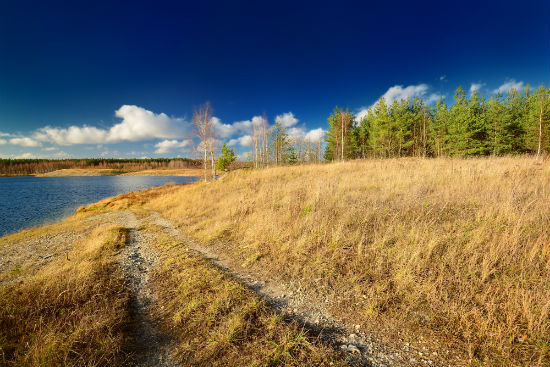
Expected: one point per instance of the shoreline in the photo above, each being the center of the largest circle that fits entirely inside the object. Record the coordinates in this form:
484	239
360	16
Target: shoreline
85	172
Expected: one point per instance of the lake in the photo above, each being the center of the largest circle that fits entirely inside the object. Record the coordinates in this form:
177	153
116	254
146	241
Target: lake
29	201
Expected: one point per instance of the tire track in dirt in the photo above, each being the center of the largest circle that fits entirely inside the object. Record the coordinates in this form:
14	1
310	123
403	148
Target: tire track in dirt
151	346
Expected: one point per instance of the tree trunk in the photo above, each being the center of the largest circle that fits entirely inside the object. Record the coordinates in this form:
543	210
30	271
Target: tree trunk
342	119
205	170
213	166
540	129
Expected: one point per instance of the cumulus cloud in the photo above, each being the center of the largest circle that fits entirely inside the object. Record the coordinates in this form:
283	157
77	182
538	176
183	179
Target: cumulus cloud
25	142
71	135
314	135
228	130
244	141
363	111
443	77
476	87
167	145
137	124
398	92
509	85
3	141
286	119
141	124
5	134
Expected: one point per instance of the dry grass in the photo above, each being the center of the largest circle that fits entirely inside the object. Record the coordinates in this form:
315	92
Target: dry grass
458	249
72	312
167	172
215	321
80	172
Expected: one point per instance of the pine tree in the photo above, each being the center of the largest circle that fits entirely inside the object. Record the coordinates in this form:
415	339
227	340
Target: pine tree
227	157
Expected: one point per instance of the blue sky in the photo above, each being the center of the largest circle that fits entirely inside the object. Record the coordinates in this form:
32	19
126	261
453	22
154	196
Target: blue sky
93	79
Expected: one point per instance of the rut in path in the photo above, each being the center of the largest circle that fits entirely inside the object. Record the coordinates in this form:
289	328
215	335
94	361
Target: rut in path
137	259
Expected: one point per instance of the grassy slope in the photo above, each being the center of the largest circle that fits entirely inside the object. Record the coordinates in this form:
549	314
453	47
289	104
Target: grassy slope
457	249
73	309
70	312
215	321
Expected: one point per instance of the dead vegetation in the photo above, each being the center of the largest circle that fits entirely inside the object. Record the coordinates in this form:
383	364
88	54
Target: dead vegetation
70	313
455	250
215	321
77	308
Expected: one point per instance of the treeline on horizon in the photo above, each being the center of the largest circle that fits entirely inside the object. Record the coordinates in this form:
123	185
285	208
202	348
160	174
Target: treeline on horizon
9	167
512	123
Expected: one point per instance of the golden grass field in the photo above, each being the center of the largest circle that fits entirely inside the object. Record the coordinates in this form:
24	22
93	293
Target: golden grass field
65	301
456	250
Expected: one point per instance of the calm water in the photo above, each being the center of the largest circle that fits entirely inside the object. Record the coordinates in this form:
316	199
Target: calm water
29	201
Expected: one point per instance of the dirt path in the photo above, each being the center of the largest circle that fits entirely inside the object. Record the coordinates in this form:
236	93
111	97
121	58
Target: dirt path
291	301
137	259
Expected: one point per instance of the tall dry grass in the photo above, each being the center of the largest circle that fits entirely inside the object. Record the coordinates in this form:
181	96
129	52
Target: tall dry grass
72	312
215	321
454	248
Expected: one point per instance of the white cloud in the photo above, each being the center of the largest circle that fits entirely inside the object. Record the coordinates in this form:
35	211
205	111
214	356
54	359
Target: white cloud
476	87
228	130
25	142
245	141
314	135
509	85
50	149
166	145
286	119
5	134
71	135
398	92
3	141
295	132
363	111
141	124
137	124
443	77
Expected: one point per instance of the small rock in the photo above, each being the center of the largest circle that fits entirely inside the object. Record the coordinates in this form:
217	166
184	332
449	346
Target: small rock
434	353
357	327
352	336
344	347
412	360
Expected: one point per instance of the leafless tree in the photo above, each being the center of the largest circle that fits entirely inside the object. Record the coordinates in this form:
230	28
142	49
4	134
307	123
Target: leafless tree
203	129
260	141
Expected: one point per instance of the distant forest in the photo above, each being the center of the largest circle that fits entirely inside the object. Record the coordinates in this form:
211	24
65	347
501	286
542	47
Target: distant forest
510	123
11	167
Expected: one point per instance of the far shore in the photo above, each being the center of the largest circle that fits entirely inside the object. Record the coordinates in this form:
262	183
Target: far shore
73	172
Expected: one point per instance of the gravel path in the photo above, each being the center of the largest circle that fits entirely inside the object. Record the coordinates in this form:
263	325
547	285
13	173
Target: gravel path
290	300
137	259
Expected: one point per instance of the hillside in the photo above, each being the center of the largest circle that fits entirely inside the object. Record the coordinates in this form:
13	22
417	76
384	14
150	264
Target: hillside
455	251
409	262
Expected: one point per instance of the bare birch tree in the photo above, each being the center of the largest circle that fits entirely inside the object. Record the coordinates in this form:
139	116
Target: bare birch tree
204	131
